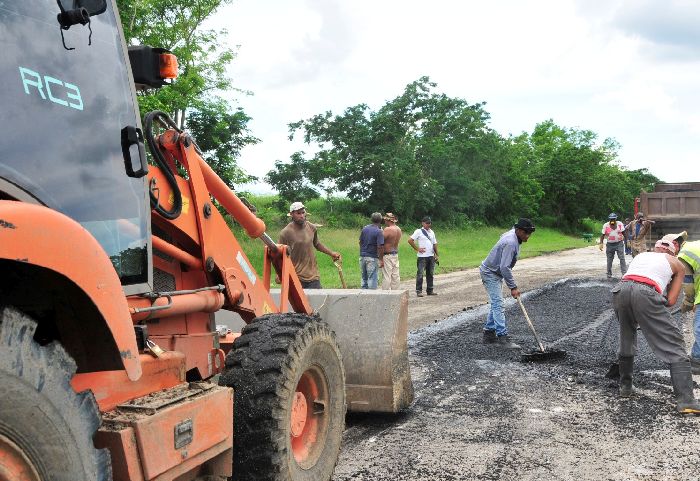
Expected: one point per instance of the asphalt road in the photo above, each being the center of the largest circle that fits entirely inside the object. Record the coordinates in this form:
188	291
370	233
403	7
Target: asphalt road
481	414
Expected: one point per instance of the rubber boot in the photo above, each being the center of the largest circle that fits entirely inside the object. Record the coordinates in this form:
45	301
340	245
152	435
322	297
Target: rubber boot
682	380
489	336
506	343
695	365
626	368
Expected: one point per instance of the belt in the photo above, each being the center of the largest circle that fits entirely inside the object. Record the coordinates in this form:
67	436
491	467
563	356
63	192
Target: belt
391	253
642	283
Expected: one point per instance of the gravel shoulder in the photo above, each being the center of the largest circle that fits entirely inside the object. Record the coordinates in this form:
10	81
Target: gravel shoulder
481	414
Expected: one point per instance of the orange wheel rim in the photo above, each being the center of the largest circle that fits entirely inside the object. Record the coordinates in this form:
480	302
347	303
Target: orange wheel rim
309	417
14	463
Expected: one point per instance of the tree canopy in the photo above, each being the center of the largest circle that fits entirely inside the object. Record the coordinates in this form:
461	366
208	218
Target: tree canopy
427	153
193	99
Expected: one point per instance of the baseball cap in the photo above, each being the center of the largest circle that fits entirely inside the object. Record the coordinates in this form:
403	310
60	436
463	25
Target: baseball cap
427	219
666	244
525	224
296	206
612	216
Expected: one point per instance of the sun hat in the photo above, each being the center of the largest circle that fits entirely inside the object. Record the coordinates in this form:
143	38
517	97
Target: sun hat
391	217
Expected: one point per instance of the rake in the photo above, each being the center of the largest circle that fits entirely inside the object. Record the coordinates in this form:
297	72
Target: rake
542	354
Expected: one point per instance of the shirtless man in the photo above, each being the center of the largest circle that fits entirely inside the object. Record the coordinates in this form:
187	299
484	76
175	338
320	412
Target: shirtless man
392	236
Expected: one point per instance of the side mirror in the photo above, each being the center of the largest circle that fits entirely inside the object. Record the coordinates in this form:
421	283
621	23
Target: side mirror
93	7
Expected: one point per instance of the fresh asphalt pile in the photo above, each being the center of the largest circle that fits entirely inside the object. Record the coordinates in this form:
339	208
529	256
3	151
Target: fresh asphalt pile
480	413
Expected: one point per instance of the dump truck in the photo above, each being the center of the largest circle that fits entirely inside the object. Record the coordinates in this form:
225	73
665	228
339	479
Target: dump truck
674	207
113	267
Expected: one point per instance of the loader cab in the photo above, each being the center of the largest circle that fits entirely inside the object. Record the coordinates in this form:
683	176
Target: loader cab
70	125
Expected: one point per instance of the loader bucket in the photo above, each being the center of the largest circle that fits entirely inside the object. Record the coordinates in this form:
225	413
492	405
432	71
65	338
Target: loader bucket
371	328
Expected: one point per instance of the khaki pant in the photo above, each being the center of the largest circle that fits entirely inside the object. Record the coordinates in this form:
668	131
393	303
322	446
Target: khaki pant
390	272
638	246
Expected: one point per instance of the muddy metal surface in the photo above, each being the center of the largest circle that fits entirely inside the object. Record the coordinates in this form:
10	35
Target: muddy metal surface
481	414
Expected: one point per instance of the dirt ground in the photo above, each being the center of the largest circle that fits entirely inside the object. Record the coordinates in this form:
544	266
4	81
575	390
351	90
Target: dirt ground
481	414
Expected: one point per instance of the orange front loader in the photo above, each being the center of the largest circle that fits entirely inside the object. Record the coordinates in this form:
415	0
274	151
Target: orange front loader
111	271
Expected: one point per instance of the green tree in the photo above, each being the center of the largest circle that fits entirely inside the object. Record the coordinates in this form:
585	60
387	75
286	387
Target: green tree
291	181
221	134
422	152
177	25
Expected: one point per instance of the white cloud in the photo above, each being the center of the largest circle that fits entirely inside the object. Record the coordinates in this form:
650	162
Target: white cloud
626	69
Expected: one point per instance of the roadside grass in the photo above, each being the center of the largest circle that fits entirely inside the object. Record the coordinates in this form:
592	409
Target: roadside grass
459	249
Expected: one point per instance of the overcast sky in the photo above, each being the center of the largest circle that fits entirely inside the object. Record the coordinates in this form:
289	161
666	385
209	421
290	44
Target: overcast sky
626	69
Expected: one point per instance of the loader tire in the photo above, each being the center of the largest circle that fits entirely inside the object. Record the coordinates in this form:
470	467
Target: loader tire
46	429
289	399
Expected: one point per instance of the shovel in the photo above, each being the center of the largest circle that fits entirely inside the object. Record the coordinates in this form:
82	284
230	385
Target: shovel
339	265
543	354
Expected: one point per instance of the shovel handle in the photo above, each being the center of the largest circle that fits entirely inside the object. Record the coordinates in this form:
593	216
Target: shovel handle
339	265
529	323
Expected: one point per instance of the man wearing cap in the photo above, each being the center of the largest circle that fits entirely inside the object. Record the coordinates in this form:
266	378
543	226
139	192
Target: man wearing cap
637	231
639	301
302	238
371	252
614	232
496	268
424	243
392	236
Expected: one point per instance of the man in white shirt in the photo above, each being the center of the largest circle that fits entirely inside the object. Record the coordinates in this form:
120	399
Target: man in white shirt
424	243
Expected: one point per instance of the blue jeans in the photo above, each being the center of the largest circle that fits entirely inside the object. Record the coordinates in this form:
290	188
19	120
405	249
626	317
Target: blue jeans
369	267
695	351
426	264
496	321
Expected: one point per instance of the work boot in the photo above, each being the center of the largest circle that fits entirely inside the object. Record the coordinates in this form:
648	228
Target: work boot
419	294
489	336
432	293
505	342
613	371
683	388
695	365
626	368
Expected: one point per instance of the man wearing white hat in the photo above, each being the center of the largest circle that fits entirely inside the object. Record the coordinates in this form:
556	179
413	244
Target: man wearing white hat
302	238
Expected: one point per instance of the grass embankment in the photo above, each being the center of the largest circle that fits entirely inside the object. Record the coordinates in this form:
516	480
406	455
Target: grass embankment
459	249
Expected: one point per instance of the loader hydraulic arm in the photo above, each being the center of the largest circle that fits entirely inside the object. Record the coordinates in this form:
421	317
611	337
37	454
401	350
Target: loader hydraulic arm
220	253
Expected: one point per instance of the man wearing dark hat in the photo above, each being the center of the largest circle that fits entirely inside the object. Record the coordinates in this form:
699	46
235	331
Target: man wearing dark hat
392	236
614	232
424	243
496	268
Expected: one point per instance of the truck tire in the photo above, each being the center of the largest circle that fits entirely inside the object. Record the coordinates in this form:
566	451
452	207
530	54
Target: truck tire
46	429
289	399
